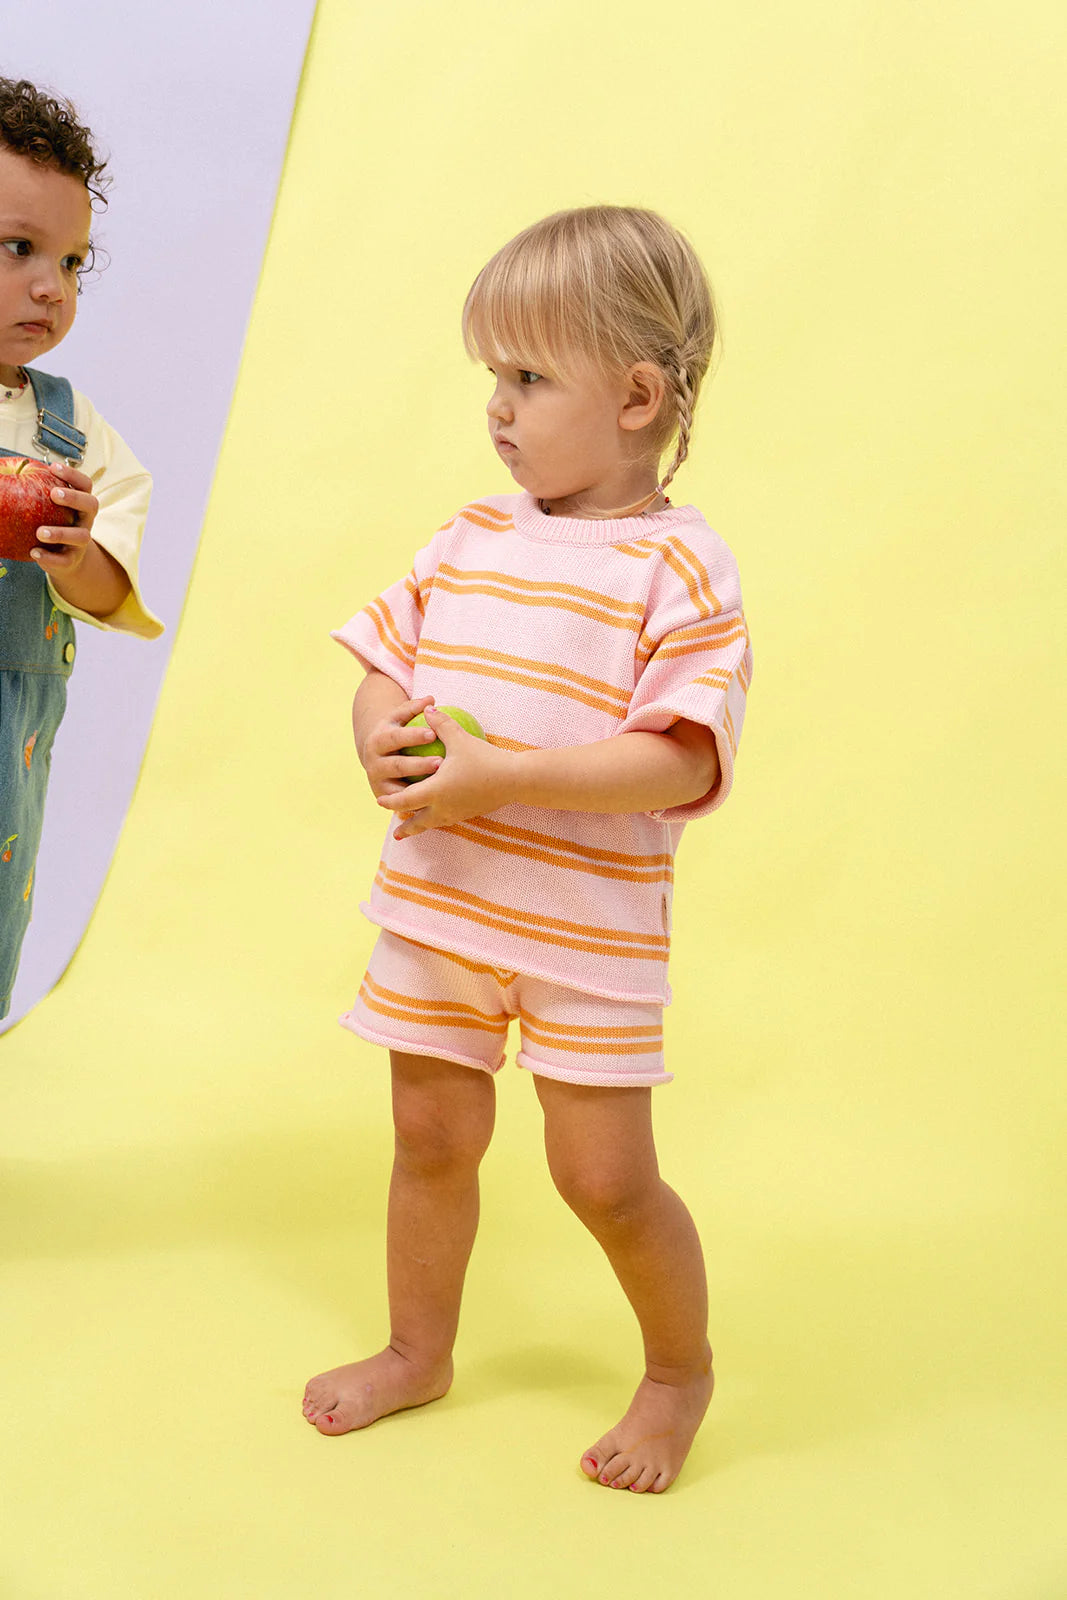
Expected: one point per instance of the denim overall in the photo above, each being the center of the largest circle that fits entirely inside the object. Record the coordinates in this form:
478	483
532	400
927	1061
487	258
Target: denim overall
36	659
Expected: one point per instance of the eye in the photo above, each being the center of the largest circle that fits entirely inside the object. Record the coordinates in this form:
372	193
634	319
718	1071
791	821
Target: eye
529	377
72	263
17	247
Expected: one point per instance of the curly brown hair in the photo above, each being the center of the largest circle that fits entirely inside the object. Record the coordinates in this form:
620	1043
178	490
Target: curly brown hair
46	129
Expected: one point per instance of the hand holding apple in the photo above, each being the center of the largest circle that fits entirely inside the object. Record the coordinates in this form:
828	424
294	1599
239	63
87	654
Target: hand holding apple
389	757
466	720
475	779
64	545
26	504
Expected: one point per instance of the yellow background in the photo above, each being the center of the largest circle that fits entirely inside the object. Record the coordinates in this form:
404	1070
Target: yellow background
867	1110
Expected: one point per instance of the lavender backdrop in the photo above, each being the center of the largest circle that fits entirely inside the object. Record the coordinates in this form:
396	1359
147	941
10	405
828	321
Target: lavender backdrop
193	102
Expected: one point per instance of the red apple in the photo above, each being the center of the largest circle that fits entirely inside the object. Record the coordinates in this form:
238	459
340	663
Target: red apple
26	504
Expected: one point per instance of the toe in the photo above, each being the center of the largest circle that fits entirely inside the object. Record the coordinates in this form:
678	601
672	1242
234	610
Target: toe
624	1479
341	1417
331	1421
315	1405
644	1480
663	1481
597	1454
613	1468
316	1396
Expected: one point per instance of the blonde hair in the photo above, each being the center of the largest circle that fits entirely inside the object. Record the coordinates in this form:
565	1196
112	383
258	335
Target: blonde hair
608	285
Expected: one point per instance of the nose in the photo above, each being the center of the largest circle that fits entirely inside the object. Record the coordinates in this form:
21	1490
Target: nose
499	408
49	283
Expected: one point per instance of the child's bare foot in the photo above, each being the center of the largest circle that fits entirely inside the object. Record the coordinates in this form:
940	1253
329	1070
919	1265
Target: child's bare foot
646	1450
356	1395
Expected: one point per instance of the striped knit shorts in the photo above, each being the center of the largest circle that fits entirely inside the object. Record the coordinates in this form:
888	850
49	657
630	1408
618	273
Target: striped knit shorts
434	1003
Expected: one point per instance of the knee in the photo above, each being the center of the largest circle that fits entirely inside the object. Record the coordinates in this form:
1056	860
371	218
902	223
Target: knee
434	1141
603	1195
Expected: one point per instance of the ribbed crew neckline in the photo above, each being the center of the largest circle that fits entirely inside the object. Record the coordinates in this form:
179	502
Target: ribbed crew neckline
532	523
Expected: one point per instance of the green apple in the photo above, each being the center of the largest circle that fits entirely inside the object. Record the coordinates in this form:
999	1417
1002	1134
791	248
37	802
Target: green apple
435	747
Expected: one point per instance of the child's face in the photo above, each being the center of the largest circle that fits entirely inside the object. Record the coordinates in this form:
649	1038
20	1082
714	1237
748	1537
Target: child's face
44	239
559	438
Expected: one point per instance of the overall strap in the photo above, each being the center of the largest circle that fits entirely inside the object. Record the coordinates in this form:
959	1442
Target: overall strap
55	416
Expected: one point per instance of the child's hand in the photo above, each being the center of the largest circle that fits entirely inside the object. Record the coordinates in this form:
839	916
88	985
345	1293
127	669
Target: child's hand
385	768
474	779
67	547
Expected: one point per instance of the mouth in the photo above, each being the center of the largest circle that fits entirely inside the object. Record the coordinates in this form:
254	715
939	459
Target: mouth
37	328
502	444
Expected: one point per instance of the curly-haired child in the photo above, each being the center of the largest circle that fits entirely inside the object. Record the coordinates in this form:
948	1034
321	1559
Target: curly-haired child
50	175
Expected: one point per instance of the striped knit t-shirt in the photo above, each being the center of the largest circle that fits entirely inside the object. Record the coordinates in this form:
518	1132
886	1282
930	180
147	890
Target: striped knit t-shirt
554	631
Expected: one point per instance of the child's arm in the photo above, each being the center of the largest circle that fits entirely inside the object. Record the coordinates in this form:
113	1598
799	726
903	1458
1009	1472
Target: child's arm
379	712
631	772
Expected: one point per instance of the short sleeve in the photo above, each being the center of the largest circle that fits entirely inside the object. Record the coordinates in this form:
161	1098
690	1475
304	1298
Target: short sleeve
697	665
384	636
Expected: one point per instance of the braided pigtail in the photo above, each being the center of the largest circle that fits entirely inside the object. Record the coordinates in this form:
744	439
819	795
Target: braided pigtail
681	393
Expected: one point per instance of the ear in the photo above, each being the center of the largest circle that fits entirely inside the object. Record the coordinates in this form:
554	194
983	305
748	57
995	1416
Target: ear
645	388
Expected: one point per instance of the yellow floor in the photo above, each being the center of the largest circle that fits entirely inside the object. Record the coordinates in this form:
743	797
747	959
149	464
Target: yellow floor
867	1117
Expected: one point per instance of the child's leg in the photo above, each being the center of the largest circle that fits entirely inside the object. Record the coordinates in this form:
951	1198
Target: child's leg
443	1116
603	1161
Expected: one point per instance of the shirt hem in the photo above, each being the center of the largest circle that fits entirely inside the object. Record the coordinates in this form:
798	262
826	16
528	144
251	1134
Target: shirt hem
509	964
